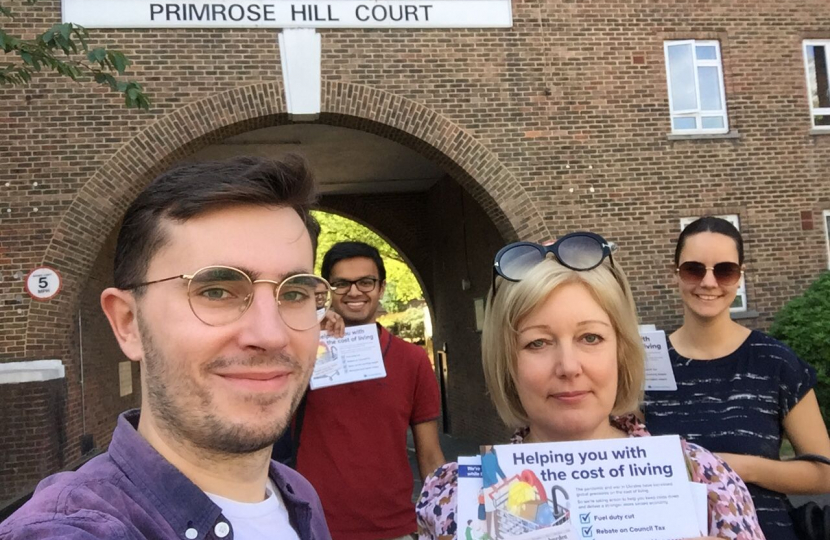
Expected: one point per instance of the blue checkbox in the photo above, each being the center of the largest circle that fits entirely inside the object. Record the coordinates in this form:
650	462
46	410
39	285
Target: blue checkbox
585	519
587	532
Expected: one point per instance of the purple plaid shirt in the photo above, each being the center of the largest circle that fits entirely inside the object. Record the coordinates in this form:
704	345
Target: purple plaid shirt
132	492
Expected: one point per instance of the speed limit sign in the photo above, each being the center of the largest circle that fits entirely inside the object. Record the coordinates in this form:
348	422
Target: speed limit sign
43	283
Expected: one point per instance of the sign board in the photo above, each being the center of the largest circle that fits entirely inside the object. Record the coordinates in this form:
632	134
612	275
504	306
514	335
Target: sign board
125	378
43	283
288	13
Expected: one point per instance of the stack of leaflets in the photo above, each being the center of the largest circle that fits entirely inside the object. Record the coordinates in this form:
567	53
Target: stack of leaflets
628	489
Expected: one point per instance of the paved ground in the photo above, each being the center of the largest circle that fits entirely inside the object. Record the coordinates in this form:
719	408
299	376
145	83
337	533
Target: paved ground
454	447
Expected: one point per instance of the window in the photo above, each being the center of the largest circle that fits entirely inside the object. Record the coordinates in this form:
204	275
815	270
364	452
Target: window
739	305
827	232
817	60
695	80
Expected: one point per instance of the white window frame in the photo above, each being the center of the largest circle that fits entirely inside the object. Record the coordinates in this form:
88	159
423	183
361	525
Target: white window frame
822	111
697	113
826	216
734	220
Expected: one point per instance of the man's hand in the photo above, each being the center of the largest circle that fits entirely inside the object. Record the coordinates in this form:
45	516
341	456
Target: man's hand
333	324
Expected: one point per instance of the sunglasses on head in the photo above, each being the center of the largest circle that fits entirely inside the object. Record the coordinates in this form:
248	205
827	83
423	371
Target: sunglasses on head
726	273
578	251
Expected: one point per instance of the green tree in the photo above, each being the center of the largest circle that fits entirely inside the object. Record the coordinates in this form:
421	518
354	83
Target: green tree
64	49
804	324
407	324
401	284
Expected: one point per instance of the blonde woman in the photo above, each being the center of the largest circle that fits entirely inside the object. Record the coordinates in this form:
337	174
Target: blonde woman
563	361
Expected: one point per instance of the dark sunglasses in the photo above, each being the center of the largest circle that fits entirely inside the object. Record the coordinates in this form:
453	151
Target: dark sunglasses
577	251
726	273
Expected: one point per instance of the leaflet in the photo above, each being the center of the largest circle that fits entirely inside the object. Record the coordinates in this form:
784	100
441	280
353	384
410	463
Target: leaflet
354	357
629	489
659	373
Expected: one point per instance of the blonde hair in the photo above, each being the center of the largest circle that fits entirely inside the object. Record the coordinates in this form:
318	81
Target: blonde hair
515	301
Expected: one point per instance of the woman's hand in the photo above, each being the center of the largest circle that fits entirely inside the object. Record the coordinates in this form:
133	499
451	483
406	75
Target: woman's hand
333	324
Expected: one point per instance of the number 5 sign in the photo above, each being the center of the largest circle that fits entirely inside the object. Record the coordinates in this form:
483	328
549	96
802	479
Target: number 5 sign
43	283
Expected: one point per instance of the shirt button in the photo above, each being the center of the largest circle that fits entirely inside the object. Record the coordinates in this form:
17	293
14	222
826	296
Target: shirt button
191	533
222	529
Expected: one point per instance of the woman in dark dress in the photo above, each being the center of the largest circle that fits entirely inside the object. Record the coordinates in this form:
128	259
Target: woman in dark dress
738	391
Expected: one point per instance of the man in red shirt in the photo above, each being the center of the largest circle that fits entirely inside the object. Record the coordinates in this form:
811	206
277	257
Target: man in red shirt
352	444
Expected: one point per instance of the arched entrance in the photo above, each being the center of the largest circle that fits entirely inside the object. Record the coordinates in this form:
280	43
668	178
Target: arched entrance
475	177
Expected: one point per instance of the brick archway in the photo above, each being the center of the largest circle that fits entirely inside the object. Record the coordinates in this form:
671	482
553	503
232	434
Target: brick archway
105	197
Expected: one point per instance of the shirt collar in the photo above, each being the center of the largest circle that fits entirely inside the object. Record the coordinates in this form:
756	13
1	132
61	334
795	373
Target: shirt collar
182	504
299	511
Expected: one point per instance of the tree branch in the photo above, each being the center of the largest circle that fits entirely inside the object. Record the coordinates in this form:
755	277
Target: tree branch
54	49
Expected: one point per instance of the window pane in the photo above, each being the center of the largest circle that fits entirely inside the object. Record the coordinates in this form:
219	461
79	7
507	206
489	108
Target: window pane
818	76
682	74
684	123
706	52
709	89
712	122
823	119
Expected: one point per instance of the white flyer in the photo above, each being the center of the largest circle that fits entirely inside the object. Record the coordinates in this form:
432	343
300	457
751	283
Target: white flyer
472	513
628	489
659	373
354	357
700	495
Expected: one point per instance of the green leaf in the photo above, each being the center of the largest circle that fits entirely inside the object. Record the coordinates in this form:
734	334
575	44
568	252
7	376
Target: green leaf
6	11
107	79
7	42
65	30
97	55
47	37
81	35
62	43
119	61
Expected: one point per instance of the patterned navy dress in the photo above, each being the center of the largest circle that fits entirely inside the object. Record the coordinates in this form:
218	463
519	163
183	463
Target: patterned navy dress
737	404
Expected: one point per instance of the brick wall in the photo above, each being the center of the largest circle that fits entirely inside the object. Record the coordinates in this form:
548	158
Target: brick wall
559	123
102	400
32	433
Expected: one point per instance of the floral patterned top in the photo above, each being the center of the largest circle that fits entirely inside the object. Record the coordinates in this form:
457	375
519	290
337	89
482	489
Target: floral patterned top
731	511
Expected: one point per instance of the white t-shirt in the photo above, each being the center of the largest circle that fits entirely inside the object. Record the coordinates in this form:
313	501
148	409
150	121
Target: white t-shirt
255	521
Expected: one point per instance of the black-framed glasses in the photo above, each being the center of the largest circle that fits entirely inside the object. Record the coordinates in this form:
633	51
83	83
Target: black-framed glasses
577	251
726	273
220	295
364	284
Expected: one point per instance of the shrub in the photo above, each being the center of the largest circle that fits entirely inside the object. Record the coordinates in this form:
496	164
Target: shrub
804	324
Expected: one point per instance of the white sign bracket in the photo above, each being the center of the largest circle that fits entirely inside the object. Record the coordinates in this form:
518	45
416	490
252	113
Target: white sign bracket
300	50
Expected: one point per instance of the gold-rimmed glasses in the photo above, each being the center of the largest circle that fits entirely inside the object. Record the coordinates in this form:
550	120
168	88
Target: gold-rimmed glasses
220	295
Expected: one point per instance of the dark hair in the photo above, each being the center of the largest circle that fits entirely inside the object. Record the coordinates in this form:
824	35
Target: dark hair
351	250
187	191
710	224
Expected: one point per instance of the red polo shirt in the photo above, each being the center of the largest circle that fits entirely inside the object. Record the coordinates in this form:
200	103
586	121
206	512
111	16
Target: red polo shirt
353	444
